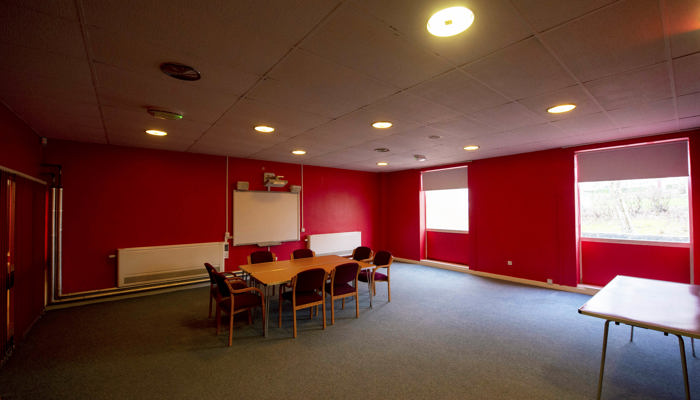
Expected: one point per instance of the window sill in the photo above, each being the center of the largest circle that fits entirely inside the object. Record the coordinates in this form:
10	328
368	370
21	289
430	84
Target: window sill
636	242
446	231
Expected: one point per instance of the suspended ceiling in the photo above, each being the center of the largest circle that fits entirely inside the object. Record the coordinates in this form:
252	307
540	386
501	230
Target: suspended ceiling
321	72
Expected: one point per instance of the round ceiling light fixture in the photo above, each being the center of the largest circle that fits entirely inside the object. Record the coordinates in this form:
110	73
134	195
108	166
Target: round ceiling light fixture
180	71
450	21
382	163
264	129
420	157
382	124
561	108
471	147
155	132
299	152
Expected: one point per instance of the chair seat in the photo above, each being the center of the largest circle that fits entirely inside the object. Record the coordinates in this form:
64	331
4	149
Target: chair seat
303	297
242	300
345	288
377	276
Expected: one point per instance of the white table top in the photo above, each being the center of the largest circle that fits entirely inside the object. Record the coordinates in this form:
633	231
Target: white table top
660	305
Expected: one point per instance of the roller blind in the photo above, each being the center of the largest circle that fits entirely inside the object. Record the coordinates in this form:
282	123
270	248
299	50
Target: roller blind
452	178
658	160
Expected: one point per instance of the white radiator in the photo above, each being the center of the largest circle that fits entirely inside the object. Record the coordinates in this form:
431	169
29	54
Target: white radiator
342	243
160	264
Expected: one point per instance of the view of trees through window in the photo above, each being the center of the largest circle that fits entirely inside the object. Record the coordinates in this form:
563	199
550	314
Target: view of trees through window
636	209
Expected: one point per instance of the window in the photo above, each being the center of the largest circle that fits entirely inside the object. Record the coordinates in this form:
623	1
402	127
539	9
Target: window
447	209
635	193
446	199
636	209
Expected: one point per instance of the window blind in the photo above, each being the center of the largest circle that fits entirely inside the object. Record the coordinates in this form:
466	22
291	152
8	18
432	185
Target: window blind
657	160
452	178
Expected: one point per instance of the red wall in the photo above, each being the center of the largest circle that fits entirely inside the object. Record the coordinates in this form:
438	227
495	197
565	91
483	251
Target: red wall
602	261
116	197
401	214
522	209
20	148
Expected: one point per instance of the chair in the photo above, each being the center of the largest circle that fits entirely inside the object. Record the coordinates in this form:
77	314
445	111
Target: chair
340	286
236	283
234	301
303	253
362	253
308	290
382	259
261	256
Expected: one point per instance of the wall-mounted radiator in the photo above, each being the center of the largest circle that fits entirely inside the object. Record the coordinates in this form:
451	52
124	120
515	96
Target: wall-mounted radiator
162	264
342	243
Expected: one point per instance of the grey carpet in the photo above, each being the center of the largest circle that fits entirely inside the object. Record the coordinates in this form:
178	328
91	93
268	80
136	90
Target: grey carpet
445	335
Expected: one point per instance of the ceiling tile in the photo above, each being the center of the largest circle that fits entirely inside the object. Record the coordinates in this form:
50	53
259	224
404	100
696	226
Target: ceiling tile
521	70
507	117
683	26
643	114
585	124
545	14
632	88
459	92
409	108
319	86
373	48
686	74
57	8
624	36
689	105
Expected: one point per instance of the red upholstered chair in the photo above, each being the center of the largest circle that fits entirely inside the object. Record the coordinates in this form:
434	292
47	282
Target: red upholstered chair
344	284
236	283
362	253
303	253
308	290
234	301
382	260
261	256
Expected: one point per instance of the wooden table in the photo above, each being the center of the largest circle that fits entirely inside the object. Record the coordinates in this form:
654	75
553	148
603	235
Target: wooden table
274	273
663	306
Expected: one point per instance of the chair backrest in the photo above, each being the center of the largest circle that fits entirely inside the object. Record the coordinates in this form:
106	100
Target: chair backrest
361	253
220	279
210	271
303	253
383	258
309	280
261	256
345	273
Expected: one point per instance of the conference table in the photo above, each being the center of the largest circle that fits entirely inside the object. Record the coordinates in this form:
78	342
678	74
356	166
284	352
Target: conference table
273	273
663	306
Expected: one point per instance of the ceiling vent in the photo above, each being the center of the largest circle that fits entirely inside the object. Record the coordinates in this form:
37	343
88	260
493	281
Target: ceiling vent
180	71
168	115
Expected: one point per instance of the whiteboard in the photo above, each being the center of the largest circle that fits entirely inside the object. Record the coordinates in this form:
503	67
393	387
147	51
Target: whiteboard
265	217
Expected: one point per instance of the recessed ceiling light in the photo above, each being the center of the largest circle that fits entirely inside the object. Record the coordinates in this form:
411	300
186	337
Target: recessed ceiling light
450	21
180	71
471	147
420	157
434	137
382	124
382	163
561	108
264	129
156	132
299	152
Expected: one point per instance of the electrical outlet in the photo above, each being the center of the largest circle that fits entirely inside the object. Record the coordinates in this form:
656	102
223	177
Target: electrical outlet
510	262
549	281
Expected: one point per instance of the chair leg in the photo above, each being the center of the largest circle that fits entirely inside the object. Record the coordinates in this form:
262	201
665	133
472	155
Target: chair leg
357	305
388	290
279	314
294	318
332	311
230	329
343	303
250	317
324	312
210	302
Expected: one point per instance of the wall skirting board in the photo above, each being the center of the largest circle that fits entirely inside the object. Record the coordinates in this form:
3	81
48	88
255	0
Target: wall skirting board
463	268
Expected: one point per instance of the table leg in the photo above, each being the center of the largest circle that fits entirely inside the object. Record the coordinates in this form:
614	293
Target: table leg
267	309
602	359
370	276
681	345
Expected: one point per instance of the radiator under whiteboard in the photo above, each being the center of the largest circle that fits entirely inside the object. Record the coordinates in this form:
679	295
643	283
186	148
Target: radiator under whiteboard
162	264
341	243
